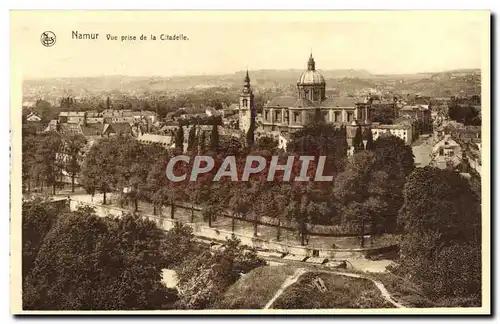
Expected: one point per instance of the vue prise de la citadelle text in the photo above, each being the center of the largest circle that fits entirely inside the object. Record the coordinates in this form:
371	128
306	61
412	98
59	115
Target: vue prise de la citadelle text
124	38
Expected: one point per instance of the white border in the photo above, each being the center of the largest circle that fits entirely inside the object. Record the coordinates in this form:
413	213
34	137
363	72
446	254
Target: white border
184	4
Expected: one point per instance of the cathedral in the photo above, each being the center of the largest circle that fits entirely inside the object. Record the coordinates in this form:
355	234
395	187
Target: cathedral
285	114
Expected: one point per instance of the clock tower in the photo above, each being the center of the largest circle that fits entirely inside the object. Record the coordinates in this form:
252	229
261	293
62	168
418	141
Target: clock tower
247	107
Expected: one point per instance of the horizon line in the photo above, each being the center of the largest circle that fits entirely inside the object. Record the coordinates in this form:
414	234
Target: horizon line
243	71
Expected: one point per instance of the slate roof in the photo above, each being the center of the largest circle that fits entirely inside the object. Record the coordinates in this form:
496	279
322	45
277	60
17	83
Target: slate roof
282	101
339	102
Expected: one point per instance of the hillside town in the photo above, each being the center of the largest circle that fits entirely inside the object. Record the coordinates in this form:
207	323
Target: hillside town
422	122
402	210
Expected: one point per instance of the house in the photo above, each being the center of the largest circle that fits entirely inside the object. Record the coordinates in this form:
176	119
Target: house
72	117
119	119
33	117
446	153
116	129
403	131
53	126
150	116
166	141
421	113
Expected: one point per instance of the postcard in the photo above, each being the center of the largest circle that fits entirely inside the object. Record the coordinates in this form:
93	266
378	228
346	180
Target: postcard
250	162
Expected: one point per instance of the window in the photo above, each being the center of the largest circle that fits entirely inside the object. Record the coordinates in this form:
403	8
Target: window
336	117
245	102
296	117
277	116
325	116
306	93
286	116
315	95
349	117
266	115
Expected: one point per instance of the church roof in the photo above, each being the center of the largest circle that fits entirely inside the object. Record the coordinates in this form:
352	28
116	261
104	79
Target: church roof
339	102
310	77
303	102
282	101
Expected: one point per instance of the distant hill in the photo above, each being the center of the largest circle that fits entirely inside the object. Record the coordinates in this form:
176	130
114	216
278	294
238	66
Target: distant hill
344	81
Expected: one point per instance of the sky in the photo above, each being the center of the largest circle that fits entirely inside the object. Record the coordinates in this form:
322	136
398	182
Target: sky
225	42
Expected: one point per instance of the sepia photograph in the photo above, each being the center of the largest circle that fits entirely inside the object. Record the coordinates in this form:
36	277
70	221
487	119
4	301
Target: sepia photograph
250	162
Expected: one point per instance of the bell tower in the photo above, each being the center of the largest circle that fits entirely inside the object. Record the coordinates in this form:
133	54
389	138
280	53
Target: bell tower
247	107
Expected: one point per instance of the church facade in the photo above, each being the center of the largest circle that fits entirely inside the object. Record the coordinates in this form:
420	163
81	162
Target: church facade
286	114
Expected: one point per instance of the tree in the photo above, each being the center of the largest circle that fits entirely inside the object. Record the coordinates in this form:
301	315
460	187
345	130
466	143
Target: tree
45	110
441	246
101	167
74	145
178	245
369	140
250	136
47	161
203	279
440	200
265	143
119	268
361	189
240	202
192	141
392	150
229	146
203	142
156	182
214	139
179	138
39	216
358	140
321	139
28	160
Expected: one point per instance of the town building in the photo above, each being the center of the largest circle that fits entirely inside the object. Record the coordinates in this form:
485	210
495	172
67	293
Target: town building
247	112
284	115
421	113
446	154
403	131
33	117
166	141
289	113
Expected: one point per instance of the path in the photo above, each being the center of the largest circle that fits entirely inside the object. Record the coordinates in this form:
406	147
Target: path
295	277
287	283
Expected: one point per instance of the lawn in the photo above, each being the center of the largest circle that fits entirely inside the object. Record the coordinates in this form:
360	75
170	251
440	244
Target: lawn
341	292
403	290
256	288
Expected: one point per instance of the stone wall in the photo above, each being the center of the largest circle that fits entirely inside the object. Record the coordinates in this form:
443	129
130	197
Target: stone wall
211	233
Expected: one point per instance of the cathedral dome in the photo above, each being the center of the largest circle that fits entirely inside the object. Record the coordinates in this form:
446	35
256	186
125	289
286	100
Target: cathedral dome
311	76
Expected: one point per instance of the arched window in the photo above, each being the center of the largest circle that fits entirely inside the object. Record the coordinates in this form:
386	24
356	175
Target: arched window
245	102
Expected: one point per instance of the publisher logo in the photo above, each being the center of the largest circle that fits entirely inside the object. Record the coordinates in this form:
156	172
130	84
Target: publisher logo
48	39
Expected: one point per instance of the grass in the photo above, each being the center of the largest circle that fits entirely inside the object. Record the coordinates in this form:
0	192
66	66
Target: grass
404	291
342	292
411	295
255	289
